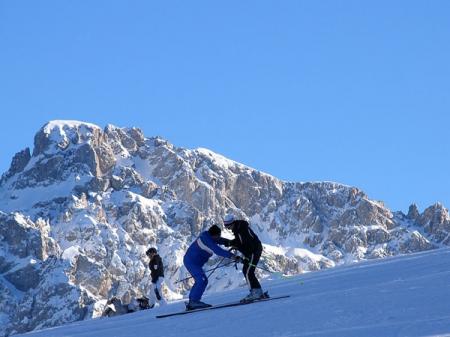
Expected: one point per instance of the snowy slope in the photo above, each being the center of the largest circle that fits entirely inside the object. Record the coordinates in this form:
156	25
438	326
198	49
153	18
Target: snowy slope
400	296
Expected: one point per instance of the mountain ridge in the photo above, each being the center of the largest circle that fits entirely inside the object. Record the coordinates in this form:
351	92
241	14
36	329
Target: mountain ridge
87	202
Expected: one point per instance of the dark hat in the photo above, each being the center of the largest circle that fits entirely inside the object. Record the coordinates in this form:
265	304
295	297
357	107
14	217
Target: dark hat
214	230
151	250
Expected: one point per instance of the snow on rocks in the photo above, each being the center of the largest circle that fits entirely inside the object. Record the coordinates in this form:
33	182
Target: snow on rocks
88	202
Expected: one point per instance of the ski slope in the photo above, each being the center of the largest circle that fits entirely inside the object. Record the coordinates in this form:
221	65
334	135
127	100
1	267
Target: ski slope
401	296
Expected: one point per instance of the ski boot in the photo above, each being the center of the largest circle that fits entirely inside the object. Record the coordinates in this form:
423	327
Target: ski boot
255	295
194	305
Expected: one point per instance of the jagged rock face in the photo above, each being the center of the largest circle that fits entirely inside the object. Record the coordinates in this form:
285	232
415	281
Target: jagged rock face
78	215
435	221
18	163
54	301
22	235
413	212
32	277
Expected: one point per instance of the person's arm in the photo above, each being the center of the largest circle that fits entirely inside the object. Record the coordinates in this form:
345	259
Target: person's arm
235	243
160	267
213	247
224	242
154	270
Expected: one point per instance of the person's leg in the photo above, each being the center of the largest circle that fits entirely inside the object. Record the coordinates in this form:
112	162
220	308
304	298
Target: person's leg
250	271
200	281
245	271
158	291
151	295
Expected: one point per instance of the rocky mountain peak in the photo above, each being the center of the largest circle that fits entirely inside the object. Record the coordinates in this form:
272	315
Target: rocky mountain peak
60	135
413	212
79	213
436	222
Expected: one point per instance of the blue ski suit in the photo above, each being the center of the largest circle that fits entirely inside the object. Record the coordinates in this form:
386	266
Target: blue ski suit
196	256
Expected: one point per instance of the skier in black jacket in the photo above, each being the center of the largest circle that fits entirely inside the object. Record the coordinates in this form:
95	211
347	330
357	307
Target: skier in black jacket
157	275
247	242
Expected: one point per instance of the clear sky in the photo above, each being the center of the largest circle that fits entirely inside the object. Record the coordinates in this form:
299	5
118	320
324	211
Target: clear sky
356	92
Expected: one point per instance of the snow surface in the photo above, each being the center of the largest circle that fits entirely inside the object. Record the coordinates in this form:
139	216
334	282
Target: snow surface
401	296
60	126
63	133
24	199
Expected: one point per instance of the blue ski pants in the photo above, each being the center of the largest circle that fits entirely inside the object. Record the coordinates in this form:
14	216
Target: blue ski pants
201	281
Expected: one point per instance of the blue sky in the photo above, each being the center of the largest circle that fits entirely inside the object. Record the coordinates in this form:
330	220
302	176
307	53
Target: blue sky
356	92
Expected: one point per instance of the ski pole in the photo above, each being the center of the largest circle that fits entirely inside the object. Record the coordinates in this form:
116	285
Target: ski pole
207	271
262	268
267	270
214	269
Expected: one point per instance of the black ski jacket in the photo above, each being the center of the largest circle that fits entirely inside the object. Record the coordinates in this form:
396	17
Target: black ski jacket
156	268
245	240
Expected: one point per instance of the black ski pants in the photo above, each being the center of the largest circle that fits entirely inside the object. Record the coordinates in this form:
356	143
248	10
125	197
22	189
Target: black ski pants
250	262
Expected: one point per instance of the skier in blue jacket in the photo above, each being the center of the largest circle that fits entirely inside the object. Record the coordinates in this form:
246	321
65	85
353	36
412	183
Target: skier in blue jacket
196	256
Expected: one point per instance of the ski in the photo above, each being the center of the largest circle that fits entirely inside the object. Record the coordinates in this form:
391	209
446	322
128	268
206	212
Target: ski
219	306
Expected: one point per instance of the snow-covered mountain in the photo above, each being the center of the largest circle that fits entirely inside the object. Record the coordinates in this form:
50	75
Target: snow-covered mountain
403	296
77	214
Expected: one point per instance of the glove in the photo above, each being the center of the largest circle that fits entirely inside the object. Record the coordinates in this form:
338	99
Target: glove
237	259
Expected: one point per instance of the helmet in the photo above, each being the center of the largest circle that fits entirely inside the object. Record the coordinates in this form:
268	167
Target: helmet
228	220
151	250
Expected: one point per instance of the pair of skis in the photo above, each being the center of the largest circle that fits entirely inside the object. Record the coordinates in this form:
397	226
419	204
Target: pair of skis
219	306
